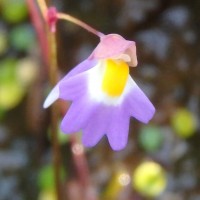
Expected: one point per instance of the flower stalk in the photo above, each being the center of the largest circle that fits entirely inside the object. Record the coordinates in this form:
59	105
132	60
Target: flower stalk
39	28
79	23
52	57
43	7
54	113
69	18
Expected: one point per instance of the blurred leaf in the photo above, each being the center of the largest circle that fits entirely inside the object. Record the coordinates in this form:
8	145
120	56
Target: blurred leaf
11	95
47	195
150	138
184	123
3	41
2	113
27	71
62	137
46	179
14	11
120	179
7	70
11	90
149	179
22	37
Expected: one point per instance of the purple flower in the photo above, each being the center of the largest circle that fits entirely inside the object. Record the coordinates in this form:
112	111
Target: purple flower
103	94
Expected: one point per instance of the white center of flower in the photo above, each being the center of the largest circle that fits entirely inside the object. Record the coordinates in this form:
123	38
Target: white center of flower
95	78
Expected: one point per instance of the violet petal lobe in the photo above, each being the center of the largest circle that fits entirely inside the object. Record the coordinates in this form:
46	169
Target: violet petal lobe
97	126
139	105
52	97
83	66
63	93
118	129
73	87
77	116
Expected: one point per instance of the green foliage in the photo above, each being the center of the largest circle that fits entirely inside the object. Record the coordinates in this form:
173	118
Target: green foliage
14	11
184	123
149	179
150	138
3	41
22	37
47	195
62	137
46	180
11	91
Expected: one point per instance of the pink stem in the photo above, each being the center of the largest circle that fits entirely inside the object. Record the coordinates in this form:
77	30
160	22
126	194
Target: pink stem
80	23
80	162
39	27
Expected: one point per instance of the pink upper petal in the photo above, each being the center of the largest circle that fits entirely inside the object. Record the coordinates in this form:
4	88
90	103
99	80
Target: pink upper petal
113	45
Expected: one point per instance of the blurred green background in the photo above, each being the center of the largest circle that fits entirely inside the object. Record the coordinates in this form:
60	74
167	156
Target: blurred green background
162	159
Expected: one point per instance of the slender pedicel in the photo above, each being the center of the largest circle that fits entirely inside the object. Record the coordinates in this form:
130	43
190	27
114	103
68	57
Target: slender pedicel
79	23
54	112
43	7
69	18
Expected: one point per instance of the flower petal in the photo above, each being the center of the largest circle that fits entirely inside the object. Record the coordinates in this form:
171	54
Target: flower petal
118	129
113	45
131	51
73	87
69	92
97	126
77	116
83	66
52	97
139	105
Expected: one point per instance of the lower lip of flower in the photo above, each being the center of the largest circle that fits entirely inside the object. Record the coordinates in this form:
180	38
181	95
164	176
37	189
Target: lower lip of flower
115	77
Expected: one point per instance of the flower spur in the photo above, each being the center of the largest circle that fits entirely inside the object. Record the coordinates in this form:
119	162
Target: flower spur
103	94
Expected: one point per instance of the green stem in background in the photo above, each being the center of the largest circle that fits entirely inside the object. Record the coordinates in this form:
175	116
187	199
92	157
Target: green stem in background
52	57
54	113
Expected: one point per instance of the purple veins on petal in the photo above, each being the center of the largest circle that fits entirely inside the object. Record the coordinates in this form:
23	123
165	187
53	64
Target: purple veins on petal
139	105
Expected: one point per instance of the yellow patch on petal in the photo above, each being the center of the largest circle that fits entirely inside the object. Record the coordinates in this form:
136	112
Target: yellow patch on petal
115	77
